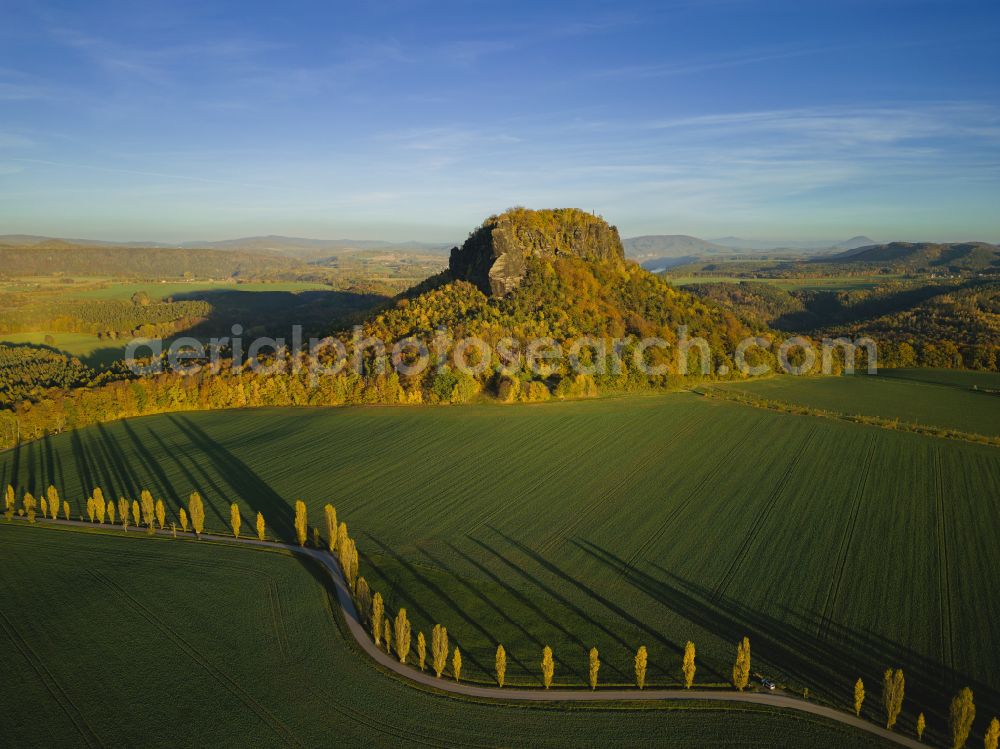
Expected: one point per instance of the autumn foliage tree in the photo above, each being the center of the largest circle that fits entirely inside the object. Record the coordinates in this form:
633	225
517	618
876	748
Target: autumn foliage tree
123	512
9	502
922	724
65	507
54	504
197	508
330	515
301	522
456	664
501	665
161	514
992	736
641	658
260	527
403	632
387	635
100	506
439	649
741	668
421	647
29	507
548	666
184	519
595	666
136	517
111	512
235	521
378	611
148	507
859	696
689	665
961	714
893	687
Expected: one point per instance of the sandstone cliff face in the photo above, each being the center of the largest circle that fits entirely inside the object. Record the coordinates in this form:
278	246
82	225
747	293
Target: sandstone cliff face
495	256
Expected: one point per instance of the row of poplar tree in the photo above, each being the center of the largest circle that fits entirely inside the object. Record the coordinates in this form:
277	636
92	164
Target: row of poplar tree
397	634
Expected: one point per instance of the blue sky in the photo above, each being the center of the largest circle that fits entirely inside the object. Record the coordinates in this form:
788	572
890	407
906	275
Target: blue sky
403	119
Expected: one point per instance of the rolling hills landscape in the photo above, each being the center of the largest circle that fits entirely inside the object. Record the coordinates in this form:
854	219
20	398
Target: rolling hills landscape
422	374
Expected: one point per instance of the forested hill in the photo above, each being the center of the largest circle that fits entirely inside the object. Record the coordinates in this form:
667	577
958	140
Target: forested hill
926	257
144	262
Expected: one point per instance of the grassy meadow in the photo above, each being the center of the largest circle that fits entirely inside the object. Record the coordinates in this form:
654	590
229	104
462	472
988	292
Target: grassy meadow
118	641
938	398
839	548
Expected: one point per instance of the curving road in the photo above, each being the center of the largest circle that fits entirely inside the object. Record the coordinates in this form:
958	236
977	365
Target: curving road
329	563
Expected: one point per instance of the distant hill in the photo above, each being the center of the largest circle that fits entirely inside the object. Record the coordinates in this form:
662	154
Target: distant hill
807	245
144	262
669	245
924	256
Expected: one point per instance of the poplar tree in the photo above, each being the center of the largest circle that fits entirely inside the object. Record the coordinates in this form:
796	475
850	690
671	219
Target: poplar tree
501	663
111	513
342	534
331	526
363	597
387	635
9	501
100	506
316	538
456	664
234	519
44	506
123	512
859	696
689	666
135	513
892	695
301	522
54	504
961	714
184	520
741	668
992	736
378	610
641	657
403	632
548	666
91	508
439	649
148	507
161	514
66	509
922	724
421	644
595	666
197	507
29	507
260	526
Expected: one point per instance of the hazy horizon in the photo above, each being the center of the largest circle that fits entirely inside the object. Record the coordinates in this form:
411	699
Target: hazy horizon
414	121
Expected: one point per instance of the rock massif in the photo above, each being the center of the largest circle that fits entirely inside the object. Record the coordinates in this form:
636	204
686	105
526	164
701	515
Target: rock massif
495	256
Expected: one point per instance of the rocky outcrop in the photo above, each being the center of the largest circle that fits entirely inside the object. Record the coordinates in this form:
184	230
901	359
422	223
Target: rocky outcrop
495	256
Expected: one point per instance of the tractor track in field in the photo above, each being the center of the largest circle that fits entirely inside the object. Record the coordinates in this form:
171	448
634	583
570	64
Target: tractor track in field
761	518
49	681
221	677
944	578
515	695
829	605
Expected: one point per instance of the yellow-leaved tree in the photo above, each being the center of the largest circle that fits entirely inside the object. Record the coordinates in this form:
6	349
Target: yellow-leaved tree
741	668
641	658
161	514
595	666
421	644
301	522
548	666
859	696
456	664
123	512
922	725
184	519
387	635
9	501
29	507
689	666
44	506
961	714
235	521
260	527
197	508
136	518
378	611
501	664
65	509
439	649
992	736
330	514
402	636
148	507
111	513
893	686
363	597
91	508
100	506
54	504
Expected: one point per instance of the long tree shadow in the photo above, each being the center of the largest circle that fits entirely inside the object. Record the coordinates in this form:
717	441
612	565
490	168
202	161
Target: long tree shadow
434	588
164	486
828	666
206	480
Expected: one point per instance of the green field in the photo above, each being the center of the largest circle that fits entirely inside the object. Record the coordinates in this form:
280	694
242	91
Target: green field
940	398
825	283
839	548
137	641
87	348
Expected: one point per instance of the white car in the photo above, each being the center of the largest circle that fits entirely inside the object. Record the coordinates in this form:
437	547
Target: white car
767	684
